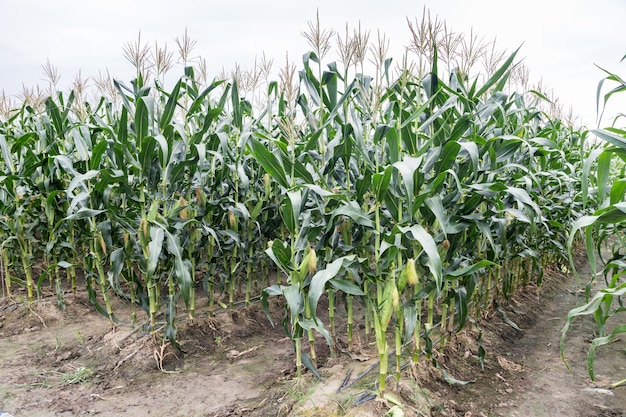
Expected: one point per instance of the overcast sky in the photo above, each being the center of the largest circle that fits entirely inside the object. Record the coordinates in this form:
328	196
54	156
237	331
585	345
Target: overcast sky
562	39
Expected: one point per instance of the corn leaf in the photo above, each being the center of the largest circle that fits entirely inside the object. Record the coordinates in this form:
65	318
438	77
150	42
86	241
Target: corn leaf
319	280
6	154
269	162
426	241
600	341
157	236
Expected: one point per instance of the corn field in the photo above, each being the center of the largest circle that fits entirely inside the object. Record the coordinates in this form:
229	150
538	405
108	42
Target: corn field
426	193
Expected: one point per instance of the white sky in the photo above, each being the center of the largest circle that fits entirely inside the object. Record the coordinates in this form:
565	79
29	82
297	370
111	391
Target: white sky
562	39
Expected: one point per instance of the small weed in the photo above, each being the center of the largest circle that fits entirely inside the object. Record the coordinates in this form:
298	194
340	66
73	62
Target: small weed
80	375
57	344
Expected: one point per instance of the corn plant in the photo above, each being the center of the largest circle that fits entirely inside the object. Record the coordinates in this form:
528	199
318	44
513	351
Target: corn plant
603	187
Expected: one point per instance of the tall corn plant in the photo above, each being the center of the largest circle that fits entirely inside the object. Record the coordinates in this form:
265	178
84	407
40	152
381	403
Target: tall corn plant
604	186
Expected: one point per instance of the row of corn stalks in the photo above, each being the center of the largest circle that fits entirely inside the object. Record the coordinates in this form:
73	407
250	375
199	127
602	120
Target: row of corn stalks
426	193
603	187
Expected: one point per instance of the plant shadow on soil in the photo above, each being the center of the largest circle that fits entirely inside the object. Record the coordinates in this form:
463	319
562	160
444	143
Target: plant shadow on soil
235	363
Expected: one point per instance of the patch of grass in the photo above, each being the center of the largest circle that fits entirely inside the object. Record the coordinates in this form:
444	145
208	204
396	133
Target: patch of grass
79	376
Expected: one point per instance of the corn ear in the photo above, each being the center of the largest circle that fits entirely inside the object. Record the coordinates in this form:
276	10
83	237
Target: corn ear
391	299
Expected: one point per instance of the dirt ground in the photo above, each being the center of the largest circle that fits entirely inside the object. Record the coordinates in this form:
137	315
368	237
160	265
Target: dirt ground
74	363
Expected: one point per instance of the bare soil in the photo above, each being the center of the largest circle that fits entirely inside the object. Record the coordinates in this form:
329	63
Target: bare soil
74	363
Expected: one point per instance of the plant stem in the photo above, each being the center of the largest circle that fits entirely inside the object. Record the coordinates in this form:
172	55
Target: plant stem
350	320
331	318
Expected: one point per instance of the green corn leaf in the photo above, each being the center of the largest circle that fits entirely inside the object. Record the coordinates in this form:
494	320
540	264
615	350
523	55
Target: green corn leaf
299	169
447	157
121	88
429	246
55	115
82	142
517	215
353	211
196	106
295	302
308	79
334	112
544	143
407	168
431	80
590	308
84	213
6	154
182	267
363	185
381	183
612	138
451	380
170	321
66	164
164	150
116	262
281	254
80	180
269	162
618	189
611	77
499	74
290	211
306	361
469	270
322	192
603	170
461	126
409	311
435	204
471	148
93	298
600	341
380	133
272	291
329	79
170	106
584	222
104	228
393	143
346	286
589	161
319	280
507	320
147	154
96	154
613	214
157	236
460	302
523	197
122	128
144	116
417	113
316	324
